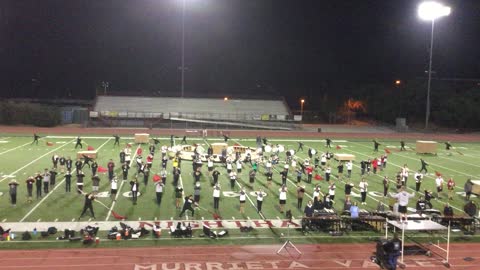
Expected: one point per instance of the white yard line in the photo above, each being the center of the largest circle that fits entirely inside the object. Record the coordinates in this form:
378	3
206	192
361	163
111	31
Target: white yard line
56	186
4	152
33	161
121	185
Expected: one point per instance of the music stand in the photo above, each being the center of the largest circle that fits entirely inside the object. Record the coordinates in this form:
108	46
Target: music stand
288	243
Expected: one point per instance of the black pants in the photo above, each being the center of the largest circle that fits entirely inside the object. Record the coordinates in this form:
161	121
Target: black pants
125	175
232	183
39	191
299	203
13	197
185	208
85	207
159	197
134	196
364	196
216	201
117	142
385	191
68	185
45	187
110	175
80	188
29	191
284	181
78	144
327	177
309	179
423	169
417	186
259	205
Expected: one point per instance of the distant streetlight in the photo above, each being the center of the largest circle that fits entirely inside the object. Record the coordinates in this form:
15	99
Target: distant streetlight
430	11
302	101
225	98
398	82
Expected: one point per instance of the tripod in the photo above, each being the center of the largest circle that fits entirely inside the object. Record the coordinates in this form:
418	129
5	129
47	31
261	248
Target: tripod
288	243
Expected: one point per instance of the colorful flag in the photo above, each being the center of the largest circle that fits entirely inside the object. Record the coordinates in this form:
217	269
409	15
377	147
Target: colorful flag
50	143
156	178
318	177
102	169
338	147
90	148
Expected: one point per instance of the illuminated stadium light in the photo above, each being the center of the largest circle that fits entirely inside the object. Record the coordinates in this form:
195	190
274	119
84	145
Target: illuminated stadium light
225	98
398	82
430	10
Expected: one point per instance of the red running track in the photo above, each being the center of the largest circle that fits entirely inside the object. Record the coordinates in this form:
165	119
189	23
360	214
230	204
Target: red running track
259	257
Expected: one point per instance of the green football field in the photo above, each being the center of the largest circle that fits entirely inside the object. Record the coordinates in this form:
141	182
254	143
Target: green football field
21	159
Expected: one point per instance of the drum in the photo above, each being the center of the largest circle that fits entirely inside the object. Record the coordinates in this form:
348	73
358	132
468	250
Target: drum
268	149
281	148
292	152
313	151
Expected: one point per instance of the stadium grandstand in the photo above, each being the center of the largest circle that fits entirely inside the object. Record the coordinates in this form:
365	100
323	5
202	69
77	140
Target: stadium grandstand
175	112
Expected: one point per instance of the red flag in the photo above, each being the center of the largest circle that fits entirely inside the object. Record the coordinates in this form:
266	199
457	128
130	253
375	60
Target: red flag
102	169
318	177
139	151
216	216
438	173
50	143
129	145
90	148
387	151
338	147
156	178
117	216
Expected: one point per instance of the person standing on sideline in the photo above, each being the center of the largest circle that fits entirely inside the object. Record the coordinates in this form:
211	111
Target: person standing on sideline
30	181
79	143
38	184
424	166
159	191
375	145
363	185
216	197
89	198
300	146
117	140
113	187
35	138
260	196
328	142
418	181
403	197
134	187
300	195
12	185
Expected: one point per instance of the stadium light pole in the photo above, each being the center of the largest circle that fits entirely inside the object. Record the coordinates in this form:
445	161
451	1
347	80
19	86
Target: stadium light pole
302	101
430	11
183	49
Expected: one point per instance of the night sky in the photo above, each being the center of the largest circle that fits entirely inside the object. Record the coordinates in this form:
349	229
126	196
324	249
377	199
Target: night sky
51	48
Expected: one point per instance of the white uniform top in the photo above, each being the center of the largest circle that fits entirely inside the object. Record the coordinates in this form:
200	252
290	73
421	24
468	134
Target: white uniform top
328	170
403	197
286	166
363	186
294	163
439	181
331	190
349	165
159	187
243	196
216	193
269	164
418	176
316	193
239	165
405	172
233	175
323	158
229	166
114	183
259	196
210	163
282	195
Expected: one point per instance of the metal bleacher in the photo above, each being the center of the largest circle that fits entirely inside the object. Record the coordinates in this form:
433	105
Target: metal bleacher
248	112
